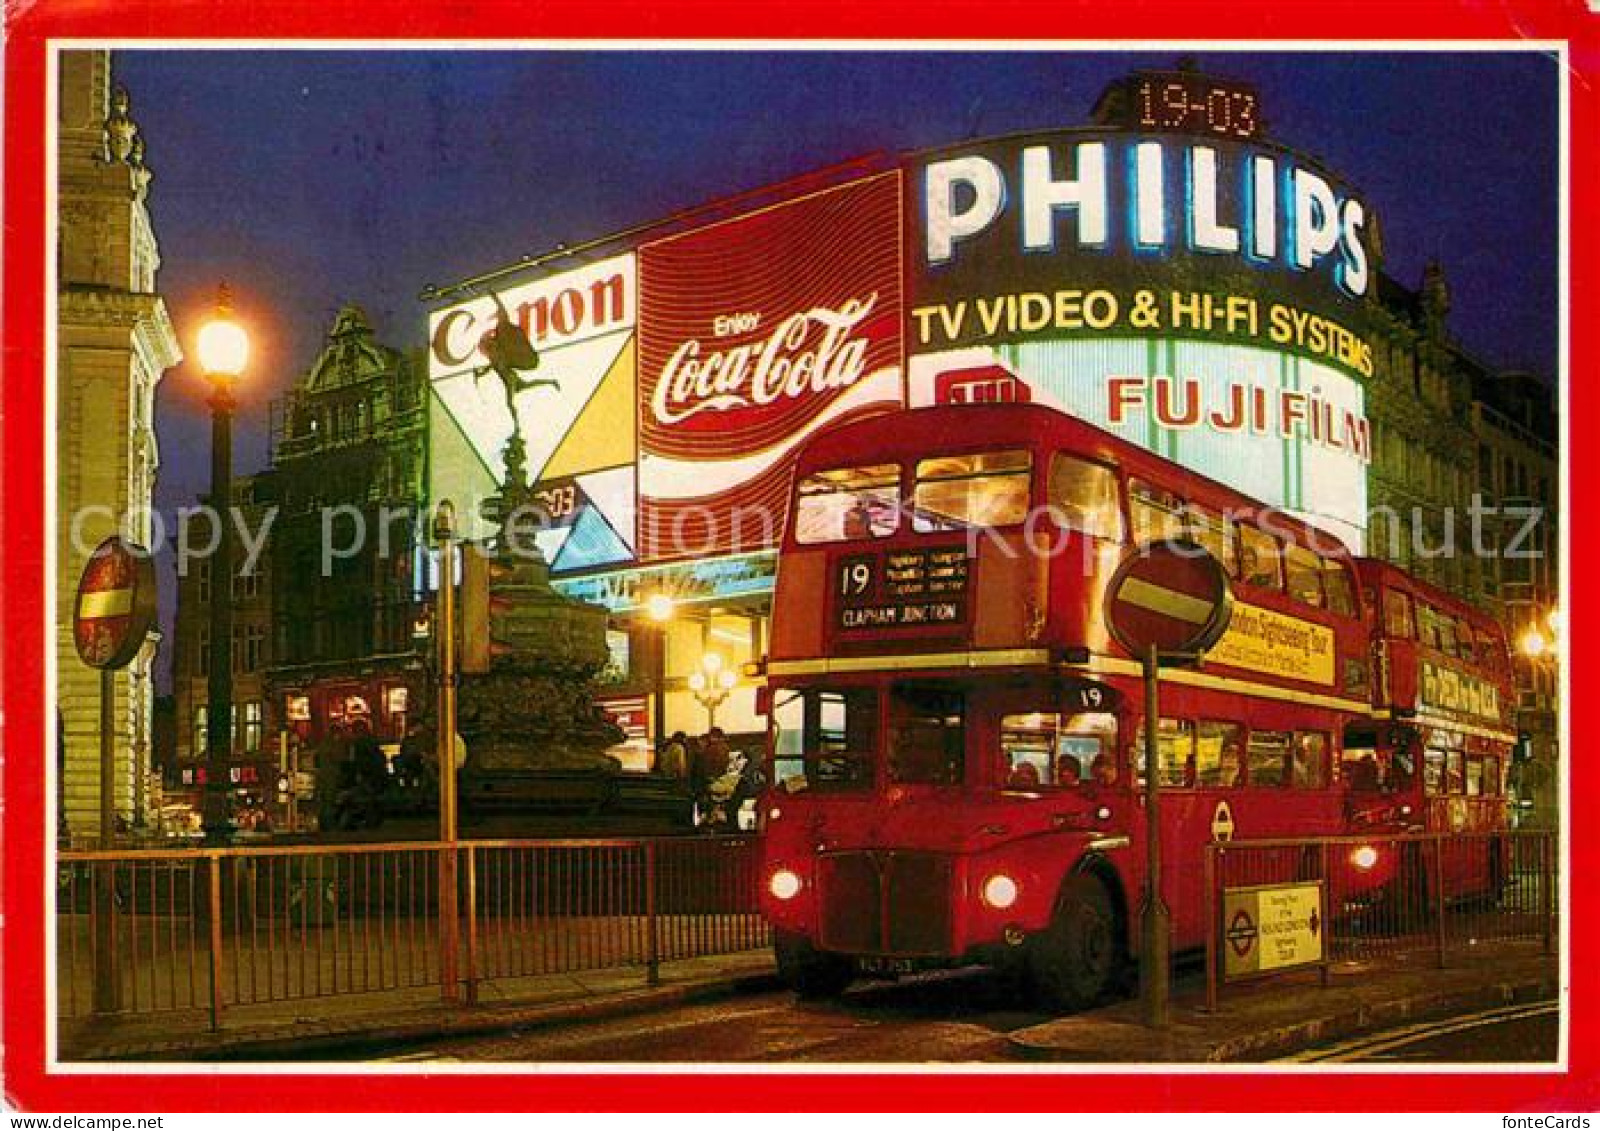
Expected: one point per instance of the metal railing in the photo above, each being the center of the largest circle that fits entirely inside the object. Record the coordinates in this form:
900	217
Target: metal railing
147	932
1391	897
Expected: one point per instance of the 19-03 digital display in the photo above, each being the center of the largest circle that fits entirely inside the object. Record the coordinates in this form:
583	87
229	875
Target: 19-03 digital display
1192	103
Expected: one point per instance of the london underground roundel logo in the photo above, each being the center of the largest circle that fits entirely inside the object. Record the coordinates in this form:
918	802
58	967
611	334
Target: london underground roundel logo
1172	595
116	605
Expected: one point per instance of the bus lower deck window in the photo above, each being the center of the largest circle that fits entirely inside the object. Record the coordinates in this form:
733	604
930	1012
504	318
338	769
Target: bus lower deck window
927	736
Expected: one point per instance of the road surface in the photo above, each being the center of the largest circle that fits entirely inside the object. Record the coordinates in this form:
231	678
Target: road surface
1513	1034
960	1016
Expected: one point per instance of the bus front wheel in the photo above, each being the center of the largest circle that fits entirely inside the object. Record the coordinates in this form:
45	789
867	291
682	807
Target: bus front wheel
1075	962
811	973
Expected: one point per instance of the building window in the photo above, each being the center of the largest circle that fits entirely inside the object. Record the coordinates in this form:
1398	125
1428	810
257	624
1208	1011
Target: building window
200	730
252	726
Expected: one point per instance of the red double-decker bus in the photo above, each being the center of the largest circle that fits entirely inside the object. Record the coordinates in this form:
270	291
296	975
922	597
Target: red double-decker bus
955	757
1436	755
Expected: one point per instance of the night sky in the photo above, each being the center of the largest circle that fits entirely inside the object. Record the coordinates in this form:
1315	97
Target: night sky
311	179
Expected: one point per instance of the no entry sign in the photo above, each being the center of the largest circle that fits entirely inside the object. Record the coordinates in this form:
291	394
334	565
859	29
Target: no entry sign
1171	595
116	605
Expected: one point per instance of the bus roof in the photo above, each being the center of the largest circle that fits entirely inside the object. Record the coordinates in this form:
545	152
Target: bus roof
909	434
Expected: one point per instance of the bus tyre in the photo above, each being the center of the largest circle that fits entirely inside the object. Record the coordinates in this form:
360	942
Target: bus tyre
1076	962
809	972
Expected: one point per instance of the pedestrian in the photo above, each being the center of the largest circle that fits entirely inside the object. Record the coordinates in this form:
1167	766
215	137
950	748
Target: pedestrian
370	771
674	760
332	753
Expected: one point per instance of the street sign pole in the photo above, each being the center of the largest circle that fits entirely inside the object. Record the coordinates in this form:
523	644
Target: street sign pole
112	615
444	627
1157	918
105	938
1168	600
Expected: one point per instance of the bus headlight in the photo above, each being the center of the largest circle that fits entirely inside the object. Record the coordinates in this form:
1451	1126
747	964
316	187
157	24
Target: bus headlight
1365	857
1000	891
784	884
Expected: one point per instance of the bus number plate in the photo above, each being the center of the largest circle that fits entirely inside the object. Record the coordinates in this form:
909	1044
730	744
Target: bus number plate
885	965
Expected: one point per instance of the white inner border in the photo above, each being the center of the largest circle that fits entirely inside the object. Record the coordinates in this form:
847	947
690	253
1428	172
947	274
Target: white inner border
53	48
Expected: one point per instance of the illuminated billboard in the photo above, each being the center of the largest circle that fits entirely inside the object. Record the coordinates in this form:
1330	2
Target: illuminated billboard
575	412
1282	429
1199	294
753	333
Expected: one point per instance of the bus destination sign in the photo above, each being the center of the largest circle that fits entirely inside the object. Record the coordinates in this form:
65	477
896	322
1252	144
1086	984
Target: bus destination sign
913	588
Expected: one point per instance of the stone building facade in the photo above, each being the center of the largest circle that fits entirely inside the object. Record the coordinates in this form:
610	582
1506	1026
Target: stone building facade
114	340
349	459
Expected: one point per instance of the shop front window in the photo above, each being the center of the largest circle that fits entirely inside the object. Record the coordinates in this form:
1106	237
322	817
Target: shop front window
848	504
990	489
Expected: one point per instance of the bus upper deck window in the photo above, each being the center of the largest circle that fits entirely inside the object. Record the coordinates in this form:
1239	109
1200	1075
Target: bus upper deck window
1340	590
1259	560
1084	495
985	490
1491	652
1216	533
1156	513
1449	642
1305	576
848	503
1397	620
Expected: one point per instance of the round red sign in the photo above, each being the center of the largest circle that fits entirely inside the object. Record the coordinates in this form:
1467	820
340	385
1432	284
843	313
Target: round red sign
1170	594
116	605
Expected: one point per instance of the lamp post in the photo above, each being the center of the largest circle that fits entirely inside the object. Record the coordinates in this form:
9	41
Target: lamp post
712	685
224	349
659	608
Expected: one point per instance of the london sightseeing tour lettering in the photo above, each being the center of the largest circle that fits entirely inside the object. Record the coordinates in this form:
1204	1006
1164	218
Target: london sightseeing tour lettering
812	351
1261	640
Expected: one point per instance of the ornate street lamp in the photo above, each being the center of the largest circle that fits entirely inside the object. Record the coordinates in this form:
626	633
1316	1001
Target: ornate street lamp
712	685
224	349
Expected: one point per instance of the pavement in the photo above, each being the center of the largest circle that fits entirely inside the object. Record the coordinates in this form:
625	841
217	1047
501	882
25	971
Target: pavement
304	1028
1256	1021
1274	1016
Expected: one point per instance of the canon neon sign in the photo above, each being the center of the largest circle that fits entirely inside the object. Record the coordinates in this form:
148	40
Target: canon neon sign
1147	197
553	311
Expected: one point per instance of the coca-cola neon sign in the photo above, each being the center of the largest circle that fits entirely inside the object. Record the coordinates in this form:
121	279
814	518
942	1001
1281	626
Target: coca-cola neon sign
811	351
